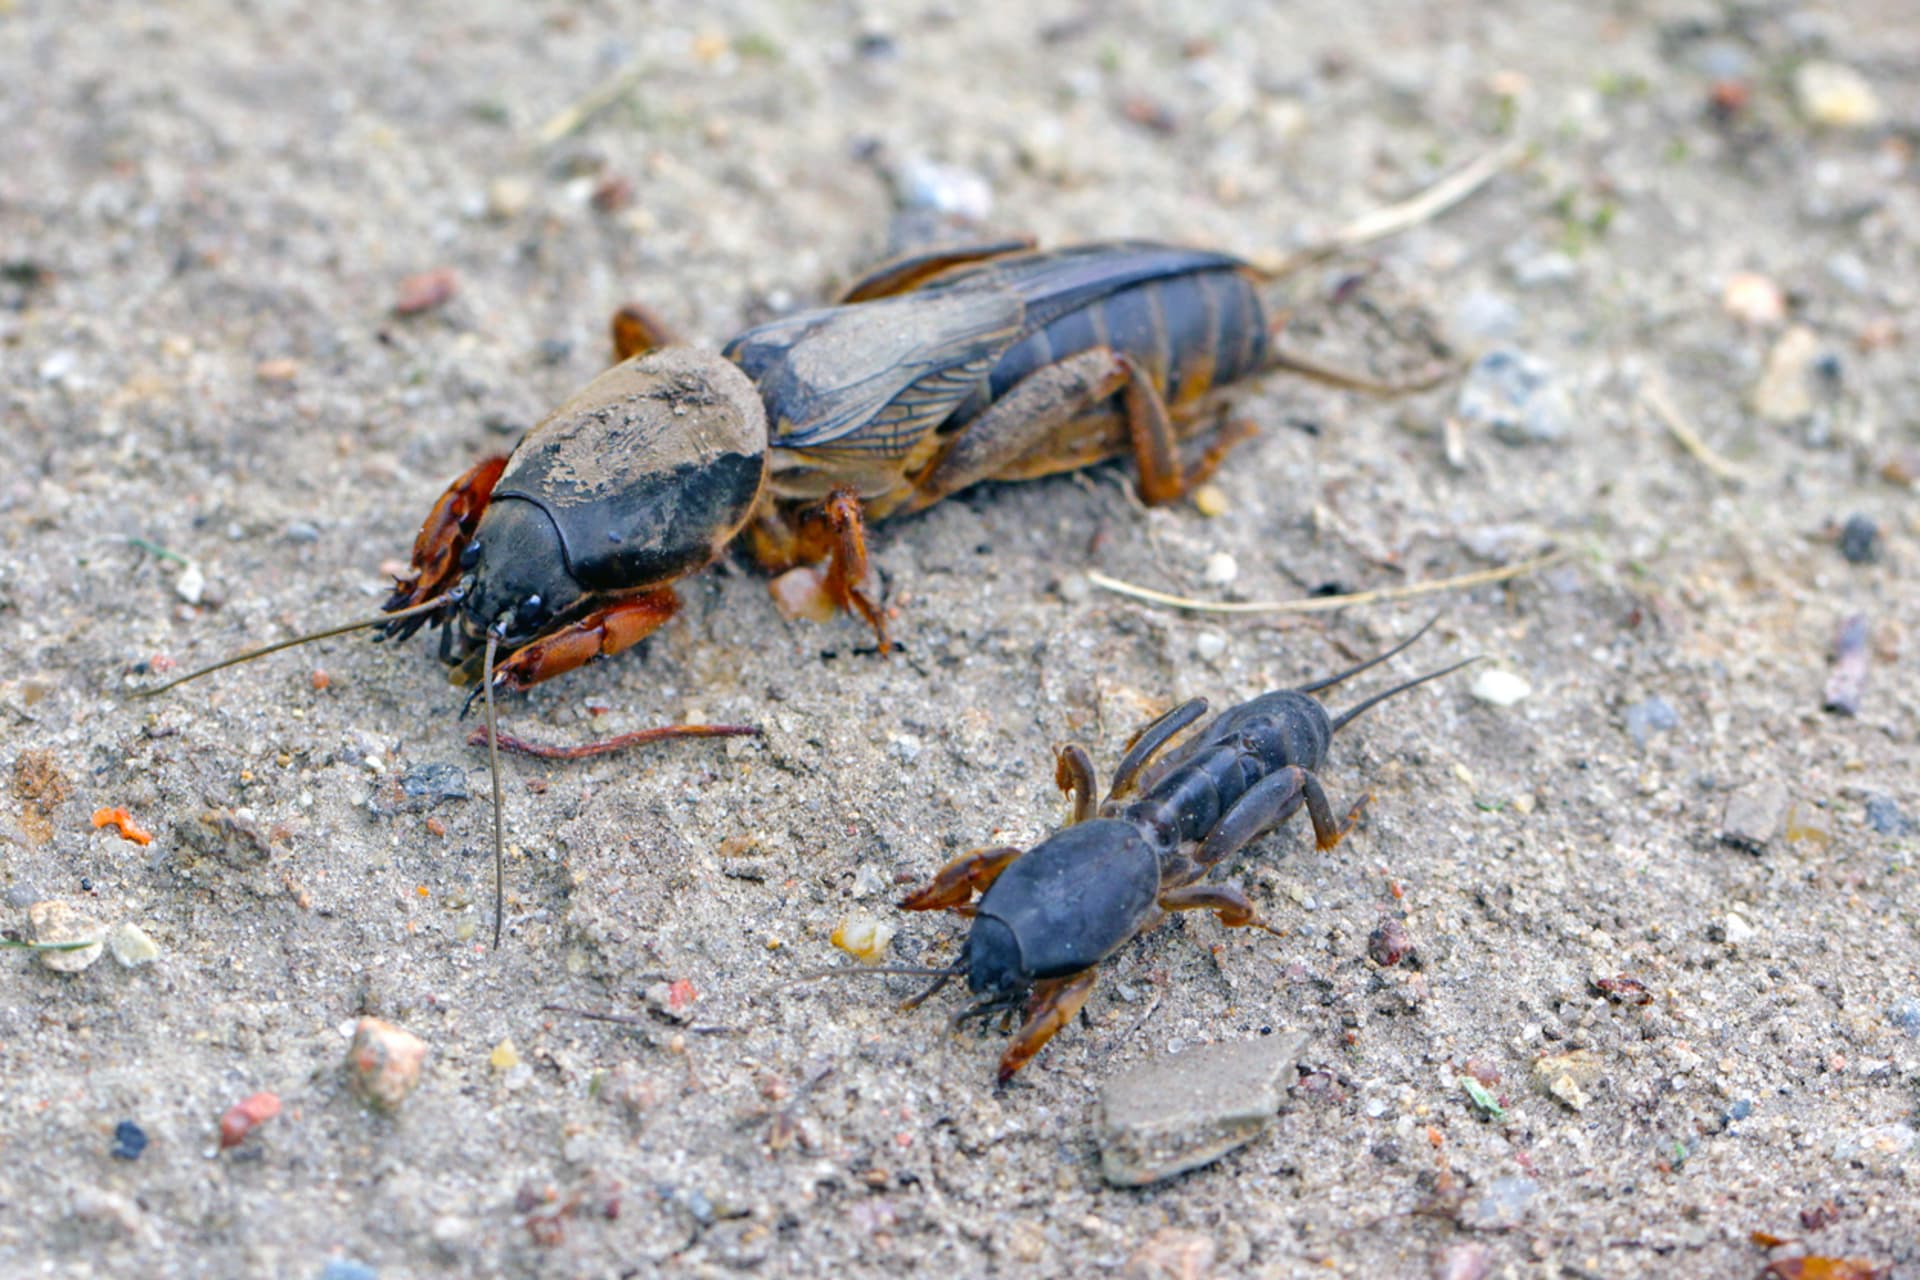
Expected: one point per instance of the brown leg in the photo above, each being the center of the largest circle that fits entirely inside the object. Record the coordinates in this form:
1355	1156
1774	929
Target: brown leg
443	537
1156	451
848	567
1267	804
1230	433
1073	774
1150	741
636	330
1049	1008
953	886
620	625
901	275
1019	423
1227	901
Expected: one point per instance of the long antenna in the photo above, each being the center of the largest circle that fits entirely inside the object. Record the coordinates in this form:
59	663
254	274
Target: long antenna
425	606
493	766
1374	661
1354	713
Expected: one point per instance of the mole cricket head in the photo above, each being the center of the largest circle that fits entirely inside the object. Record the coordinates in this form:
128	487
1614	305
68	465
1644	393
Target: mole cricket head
517	572
992	957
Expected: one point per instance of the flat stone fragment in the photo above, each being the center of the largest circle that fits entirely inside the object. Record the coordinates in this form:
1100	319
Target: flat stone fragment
1187	1109
55	921
1752	817
132	946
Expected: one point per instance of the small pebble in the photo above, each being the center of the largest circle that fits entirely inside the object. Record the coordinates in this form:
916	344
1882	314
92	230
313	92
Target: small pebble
347	1269
1503	1207
1738	931
1209	645
1906	1016
58	366
1566	1077
129	1140
426	291
508	198
383	1063
1835	95
1517	397
1074	589
1860	540
1500	688
1850	272
1187	1109
1884	816
1847	683
1648	717
1221	569
862	936
1784	392
246	1115
1389	943
1753	817
301	532
504	1056
57	921
132	946
1210	501
1470	1261
191	584
1754	300
945	188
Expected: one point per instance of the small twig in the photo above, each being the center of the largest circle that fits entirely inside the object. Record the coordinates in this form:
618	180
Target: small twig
597	99
1655	397
1386	221
606	746
1324	604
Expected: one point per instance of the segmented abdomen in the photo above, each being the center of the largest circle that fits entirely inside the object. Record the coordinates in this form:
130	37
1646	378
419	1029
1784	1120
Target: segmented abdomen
1190	332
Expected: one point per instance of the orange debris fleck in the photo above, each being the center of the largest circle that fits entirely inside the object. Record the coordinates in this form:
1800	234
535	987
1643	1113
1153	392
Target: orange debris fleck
123	822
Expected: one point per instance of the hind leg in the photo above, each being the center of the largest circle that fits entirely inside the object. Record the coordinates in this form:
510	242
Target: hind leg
1228	902
1266	805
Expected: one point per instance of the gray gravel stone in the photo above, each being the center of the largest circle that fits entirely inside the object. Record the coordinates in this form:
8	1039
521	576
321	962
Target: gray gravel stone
1753	817
1517	397
1503	1207
1187	1109
1884	816
1648	717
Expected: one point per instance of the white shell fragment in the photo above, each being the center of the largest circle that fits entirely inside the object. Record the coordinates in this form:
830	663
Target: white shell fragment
1500	688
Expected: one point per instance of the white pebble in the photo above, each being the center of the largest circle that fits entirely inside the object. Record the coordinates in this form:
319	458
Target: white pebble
131	945
191	584
1836	95
1739	931
1209	645
1221	569
1501	688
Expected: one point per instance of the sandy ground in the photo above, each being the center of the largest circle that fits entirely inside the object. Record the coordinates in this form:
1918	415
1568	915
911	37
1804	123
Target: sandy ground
206	213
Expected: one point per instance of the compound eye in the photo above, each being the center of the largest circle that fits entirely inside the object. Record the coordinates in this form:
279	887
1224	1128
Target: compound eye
470	557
